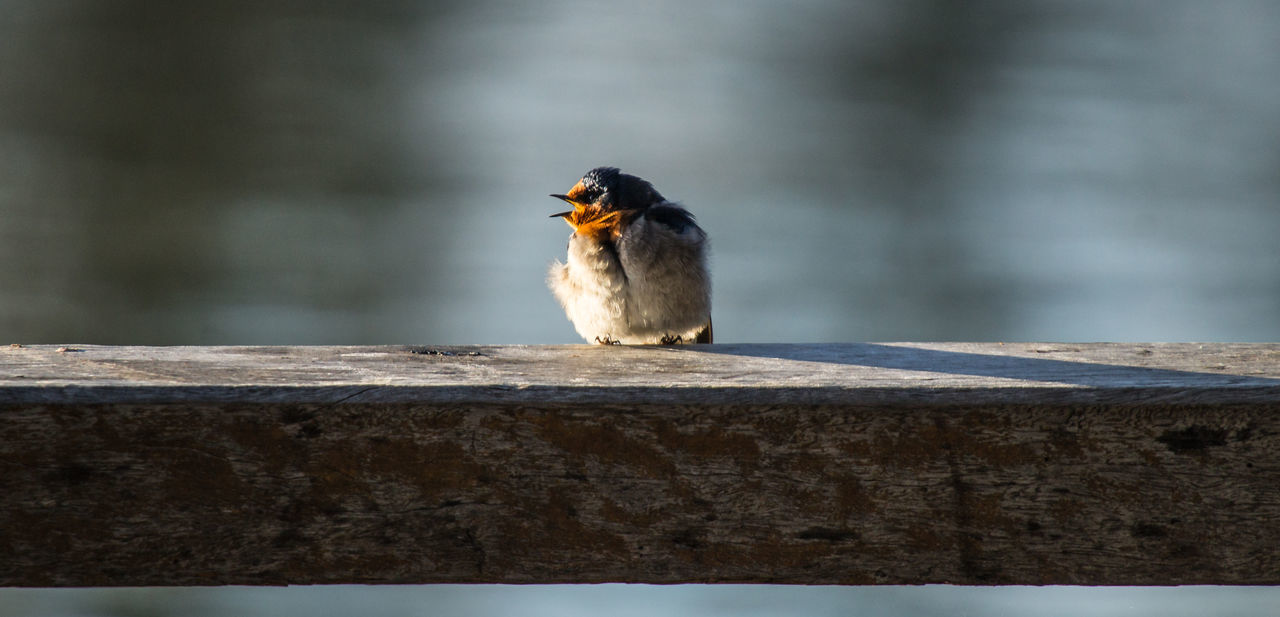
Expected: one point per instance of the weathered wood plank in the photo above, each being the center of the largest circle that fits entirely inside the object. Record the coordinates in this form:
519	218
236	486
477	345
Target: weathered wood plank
860	463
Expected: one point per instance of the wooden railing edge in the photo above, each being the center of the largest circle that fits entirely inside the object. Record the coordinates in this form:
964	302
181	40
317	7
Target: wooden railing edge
1152	464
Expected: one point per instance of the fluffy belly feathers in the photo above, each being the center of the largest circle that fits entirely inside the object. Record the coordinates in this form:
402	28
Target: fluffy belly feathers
649	286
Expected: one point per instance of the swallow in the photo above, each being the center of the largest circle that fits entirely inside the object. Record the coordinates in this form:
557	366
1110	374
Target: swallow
636	272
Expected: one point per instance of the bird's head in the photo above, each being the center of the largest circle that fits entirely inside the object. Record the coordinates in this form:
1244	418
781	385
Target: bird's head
604	197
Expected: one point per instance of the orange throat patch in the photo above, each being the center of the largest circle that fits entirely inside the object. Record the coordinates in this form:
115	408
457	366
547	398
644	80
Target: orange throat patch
595	223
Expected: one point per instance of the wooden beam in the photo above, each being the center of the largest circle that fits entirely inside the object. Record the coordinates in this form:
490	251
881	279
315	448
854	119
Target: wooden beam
1110	464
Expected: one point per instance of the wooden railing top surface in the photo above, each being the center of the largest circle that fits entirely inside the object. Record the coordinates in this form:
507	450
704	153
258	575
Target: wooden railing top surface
879	373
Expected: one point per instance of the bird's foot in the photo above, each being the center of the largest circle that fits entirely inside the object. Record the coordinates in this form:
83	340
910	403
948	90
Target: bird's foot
606	341
671	339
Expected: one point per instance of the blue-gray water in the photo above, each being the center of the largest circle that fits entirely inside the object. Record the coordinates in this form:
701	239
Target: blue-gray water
645	601
376	172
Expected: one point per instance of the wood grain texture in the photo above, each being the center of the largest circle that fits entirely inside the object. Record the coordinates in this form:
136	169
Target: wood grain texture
851	464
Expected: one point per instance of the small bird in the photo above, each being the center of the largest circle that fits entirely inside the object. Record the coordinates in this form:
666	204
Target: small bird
637	267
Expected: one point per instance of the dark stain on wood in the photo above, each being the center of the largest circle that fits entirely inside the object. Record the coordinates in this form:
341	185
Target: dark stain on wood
1194	439
827	534
1148	530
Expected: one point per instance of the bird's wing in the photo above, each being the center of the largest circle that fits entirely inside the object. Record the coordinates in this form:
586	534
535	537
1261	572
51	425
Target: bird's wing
705	335
671	216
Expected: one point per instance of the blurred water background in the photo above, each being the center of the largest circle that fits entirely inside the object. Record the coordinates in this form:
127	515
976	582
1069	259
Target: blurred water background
342	172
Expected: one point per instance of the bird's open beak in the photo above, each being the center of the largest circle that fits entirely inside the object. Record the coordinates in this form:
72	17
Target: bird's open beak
570	201
573	198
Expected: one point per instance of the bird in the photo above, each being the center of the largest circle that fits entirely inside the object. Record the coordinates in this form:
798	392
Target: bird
636	272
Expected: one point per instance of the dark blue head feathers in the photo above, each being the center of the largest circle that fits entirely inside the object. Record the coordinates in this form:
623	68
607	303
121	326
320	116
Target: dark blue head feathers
611	189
